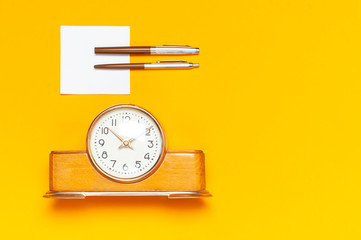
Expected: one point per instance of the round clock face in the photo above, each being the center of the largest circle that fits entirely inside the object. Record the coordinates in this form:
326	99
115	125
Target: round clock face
126	143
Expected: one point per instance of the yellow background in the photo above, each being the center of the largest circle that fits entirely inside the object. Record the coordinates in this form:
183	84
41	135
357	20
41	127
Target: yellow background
275	106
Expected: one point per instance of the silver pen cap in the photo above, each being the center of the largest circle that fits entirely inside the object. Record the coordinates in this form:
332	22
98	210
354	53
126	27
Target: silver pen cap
174	49
177	64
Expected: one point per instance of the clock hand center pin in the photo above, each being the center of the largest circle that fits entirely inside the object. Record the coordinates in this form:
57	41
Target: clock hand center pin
127	144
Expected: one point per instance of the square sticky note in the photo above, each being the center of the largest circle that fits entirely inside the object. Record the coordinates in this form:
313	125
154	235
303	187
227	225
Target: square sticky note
78	75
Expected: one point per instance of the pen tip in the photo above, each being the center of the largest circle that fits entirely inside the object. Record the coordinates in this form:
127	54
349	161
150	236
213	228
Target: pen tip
195	64
197	50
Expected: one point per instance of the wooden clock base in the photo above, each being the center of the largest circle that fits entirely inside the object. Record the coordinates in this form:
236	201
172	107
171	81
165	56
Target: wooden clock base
181	175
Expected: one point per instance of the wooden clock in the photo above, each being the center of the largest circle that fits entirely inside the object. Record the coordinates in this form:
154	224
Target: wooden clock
127	156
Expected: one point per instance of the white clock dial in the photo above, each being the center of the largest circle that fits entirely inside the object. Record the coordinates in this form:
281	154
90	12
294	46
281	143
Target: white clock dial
125	143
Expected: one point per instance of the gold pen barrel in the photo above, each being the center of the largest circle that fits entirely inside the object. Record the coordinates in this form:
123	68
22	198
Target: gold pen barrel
121	66
123	50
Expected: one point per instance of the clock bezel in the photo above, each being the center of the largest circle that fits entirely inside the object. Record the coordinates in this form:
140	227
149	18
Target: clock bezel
134	179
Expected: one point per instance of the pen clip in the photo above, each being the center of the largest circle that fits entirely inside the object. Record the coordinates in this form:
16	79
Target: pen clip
174	45
172	61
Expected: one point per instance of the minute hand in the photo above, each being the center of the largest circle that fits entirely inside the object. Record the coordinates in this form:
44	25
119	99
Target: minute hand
115	134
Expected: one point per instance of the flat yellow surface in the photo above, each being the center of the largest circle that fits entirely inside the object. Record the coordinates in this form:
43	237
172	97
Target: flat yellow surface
275	106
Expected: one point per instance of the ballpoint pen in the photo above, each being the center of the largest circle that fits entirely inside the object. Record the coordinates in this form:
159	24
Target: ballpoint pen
148	50
157	65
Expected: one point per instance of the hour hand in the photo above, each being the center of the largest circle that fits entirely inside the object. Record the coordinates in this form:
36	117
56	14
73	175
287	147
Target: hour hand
115	134
146	130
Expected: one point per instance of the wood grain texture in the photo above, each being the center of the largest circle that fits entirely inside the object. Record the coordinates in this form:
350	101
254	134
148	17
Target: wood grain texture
180	171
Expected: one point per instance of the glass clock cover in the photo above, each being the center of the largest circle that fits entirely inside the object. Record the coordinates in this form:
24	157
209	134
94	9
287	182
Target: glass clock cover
126	143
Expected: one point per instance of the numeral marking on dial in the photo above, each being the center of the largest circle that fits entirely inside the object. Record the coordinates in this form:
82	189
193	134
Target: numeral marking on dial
125	167
125	119
104	130
114	161
137	164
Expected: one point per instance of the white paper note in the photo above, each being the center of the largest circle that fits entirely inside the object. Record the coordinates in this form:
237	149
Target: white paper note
78	75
